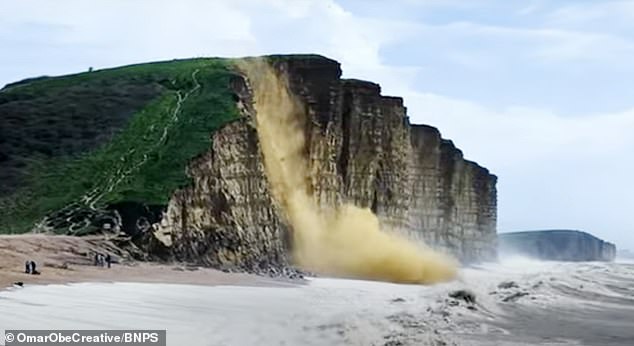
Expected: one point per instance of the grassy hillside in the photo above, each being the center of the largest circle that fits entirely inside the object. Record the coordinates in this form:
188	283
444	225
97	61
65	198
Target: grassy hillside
85	141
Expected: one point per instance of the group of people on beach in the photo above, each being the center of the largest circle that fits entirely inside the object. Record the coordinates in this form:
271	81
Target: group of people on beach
102	261
30	268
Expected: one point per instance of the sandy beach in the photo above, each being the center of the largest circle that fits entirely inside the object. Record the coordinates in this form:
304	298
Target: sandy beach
564	304
517	302
67	259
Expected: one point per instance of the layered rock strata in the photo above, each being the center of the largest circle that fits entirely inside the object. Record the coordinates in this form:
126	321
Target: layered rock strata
557	245
361	149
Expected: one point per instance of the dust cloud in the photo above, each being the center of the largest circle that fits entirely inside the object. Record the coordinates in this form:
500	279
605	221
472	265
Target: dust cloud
339	240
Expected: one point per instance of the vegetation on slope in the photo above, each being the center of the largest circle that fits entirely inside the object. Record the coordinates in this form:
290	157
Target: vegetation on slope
137	157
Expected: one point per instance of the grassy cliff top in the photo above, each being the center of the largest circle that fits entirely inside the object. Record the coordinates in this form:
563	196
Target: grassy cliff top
92	139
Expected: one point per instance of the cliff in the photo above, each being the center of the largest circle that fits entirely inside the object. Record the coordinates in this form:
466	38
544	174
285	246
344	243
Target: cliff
557	245
361	149
180	168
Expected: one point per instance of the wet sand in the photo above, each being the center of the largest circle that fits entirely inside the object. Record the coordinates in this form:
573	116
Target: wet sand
67	259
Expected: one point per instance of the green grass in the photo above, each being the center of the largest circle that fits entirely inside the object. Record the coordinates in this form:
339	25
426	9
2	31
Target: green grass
50	184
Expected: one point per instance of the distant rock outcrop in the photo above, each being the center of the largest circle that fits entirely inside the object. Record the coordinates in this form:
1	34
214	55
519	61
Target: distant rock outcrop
556	245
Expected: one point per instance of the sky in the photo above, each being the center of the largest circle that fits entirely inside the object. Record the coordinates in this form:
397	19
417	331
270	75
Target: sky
540	92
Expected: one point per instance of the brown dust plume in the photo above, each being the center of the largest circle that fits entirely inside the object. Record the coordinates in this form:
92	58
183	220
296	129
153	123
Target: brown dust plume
342	240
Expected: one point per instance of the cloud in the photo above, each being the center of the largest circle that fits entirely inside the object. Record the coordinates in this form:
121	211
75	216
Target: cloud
611	15
550	45
110	33
529	134
554	171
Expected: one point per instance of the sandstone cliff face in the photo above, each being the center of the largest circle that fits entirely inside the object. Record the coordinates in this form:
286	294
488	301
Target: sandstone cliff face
557	245
227	218
361	149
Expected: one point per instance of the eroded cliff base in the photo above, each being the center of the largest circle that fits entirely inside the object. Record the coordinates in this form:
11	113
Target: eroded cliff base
70	259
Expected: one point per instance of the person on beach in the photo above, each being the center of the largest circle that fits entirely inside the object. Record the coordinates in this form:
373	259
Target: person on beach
99	260
108	260
30	268
33	270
